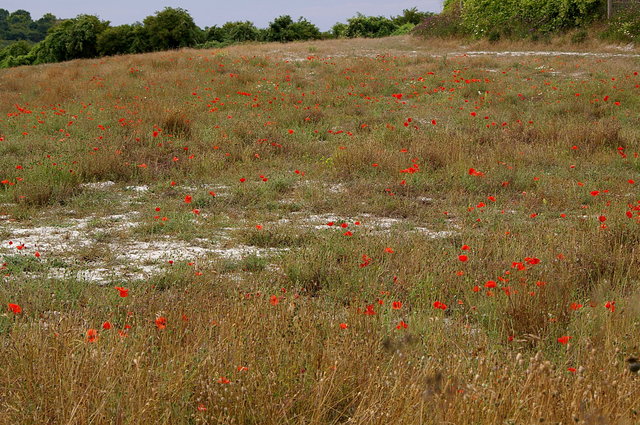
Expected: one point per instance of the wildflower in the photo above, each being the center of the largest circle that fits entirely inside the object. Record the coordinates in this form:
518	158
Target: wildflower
92	335
161	322
15	308
439	305
564	340
124	292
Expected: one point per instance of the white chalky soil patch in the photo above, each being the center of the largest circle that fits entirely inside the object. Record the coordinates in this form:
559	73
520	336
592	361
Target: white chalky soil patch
131	259
119	255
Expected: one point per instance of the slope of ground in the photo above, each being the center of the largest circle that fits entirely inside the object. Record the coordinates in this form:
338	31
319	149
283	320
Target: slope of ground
348	231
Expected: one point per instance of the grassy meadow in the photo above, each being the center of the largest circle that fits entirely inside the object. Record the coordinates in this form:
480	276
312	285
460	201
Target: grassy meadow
348	231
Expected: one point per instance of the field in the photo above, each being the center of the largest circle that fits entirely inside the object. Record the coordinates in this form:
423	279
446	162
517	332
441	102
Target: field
349	231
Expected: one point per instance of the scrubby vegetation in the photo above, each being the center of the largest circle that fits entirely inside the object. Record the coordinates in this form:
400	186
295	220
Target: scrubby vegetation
535	20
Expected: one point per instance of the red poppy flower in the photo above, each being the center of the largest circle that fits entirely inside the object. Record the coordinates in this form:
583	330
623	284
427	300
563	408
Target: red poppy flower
124	292
161	322
439	305
564	340
402	325
92	335
15	308
369	310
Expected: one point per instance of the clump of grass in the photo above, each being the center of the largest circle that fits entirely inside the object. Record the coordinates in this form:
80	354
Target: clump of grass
178	125
14	264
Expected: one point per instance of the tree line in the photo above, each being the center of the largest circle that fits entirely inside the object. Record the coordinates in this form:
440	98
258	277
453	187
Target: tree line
50	39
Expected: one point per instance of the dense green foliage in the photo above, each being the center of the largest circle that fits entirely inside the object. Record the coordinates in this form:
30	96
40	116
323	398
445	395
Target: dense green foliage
233	32
171	29
72	39
370	26
285	29
494	19
18	25
379	26
123	39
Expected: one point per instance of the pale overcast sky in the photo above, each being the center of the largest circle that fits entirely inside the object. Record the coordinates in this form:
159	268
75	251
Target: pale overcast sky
323	13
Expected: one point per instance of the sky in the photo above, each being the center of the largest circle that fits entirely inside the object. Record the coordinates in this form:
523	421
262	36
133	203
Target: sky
323	13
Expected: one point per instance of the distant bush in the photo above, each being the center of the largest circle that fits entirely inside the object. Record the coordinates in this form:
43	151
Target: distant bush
237	32
18	25
404	29
370	26
339	30
72	39
172	28
411	16
285	29
123	39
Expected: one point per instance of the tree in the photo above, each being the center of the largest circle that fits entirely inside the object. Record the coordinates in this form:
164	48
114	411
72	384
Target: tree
72	39
122	39
171	28
239	31
411	16
42	26
370	26
4	23
214	33
284	29
19	23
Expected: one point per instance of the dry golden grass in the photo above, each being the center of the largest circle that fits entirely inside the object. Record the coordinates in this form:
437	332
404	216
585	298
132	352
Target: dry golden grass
261	146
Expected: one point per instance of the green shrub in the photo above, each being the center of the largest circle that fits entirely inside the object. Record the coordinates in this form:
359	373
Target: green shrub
339	30
123	39
411	16
496	19
284	29
15	54
404	29
238	32
171	28
72	39
624	27
370	26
